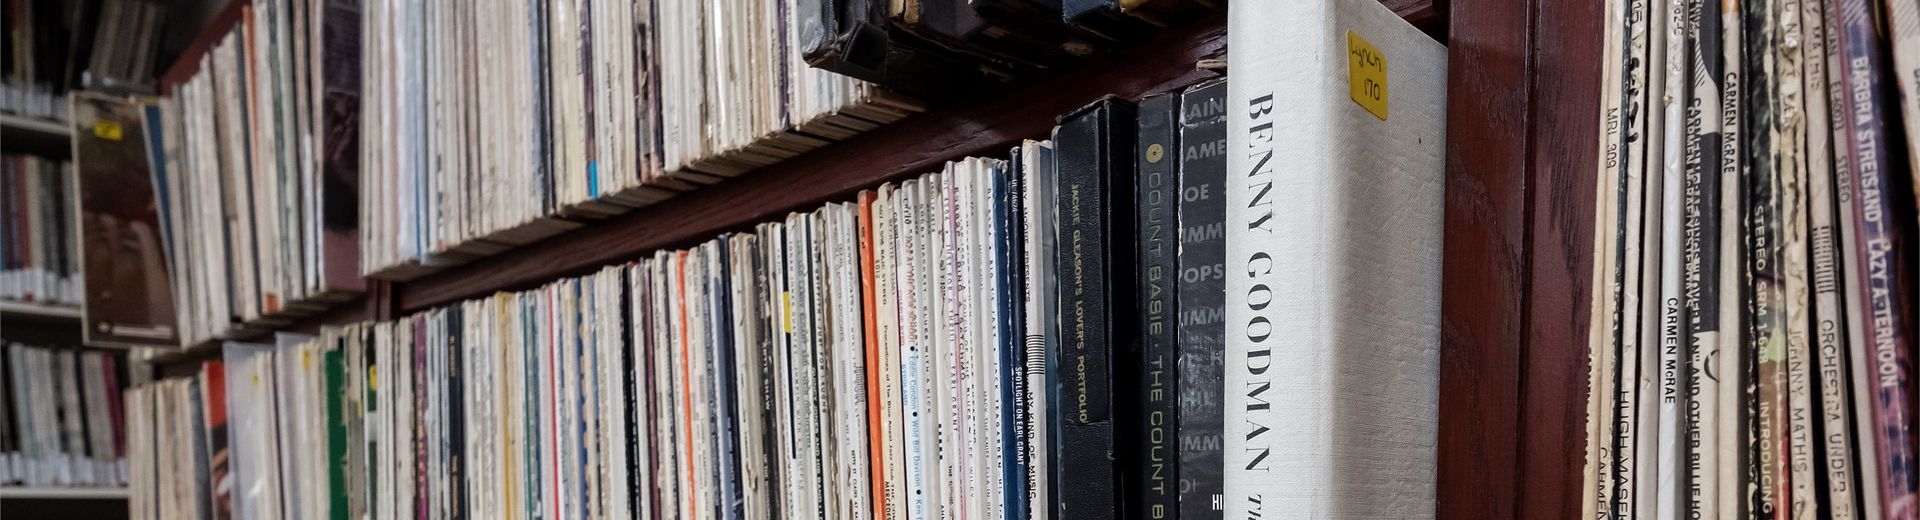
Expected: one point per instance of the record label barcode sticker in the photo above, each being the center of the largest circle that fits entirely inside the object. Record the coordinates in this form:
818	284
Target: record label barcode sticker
1367	75
108	130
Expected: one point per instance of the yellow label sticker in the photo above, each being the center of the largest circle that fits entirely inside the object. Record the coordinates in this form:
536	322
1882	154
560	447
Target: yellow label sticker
306	360
786	311
373	377
1367	75
256	379
1155	152
108	130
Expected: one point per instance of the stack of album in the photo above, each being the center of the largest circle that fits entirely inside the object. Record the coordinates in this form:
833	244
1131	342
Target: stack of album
1752	318
252	188
39	260
500	123
126	45
60	424
34	44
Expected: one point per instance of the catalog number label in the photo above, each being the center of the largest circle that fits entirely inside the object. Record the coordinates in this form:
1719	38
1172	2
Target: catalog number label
1367	75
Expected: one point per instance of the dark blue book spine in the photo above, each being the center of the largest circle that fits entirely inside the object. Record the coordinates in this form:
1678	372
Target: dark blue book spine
1006	211
1202	297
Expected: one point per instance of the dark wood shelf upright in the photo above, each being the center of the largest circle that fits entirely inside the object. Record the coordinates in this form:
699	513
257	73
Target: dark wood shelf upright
1521	121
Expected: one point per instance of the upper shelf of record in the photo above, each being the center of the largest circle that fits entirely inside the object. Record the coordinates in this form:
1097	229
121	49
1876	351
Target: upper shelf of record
985	123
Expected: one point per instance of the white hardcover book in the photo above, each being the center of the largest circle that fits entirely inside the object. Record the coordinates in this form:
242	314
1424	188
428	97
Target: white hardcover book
1334	219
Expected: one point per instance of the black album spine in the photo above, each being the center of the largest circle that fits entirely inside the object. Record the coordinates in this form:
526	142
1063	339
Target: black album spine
1154	471
1202	298
456	417
1095	151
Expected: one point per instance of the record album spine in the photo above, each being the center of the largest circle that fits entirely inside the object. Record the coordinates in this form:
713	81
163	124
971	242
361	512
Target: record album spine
1879	250
1701	253
1673	502
1730	441
1156	468
1095	155
1202	288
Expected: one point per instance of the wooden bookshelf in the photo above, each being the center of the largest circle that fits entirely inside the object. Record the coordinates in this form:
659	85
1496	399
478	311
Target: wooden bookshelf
1522	110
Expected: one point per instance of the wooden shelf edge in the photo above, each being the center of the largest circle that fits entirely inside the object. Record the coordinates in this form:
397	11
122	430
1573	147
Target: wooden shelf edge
60	129
41	311
63	493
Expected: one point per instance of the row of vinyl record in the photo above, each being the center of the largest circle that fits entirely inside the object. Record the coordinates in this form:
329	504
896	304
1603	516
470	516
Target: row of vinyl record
32	101
1088	329
61	424
611	105
38	248
1752	321
126	45
257	218
32	47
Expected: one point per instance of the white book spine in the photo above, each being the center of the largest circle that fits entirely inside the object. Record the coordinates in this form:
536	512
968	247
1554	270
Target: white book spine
1672	494
913	352
1038	191
1606	327
1332	303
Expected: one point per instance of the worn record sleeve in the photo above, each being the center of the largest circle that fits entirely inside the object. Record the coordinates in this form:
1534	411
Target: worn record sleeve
1095	159
1201	296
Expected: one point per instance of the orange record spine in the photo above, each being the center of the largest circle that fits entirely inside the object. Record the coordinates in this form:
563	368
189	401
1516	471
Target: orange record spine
876	434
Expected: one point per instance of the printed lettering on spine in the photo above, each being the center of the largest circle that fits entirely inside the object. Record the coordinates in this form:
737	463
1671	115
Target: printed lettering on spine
1155	482
1201	277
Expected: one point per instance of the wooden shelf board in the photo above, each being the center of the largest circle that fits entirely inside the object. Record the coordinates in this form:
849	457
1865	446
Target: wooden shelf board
44	137
36	310
63	493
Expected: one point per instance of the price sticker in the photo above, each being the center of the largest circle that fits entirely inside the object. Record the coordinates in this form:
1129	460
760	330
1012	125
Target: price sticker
108	130
1367	75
